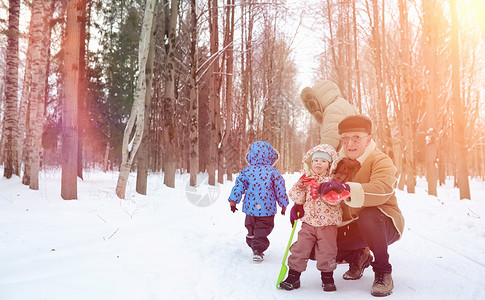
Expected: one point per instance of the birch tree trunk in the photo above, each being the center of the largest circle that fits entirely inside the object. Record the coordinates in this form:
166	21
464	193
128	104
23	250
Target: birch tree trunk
72	44
458	108
24	106
11	165
137	116
41	14
142	156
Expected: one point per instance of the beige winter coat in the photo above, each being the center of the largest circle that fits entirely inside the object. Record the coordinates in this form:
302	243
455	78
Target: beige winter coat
324	101
373	185
317	211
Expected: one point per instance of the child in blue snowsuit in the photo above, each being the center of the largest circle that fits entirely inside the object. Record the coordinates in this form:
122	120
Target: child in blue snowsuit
263	187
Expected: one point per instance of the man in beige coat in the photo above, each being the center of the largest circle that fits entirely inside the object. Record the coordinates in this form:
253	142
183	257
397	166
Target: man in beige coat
325	102
371	217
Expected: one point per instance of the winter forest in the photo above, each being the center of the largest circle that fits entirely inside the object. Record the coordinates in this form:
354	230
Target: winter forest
174	86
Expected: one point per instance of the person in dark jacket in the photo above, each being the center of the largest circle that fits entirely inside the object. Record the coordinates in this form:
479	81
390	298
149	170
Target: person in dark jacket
263	187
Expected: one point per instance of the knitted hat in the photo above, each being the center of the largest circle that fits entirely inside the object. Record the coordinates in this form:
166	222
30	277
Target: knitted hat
323	155
356	123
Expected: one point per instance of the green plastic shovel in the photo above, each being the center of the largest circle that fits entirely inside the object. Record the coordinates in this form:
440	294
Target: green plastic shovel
284	268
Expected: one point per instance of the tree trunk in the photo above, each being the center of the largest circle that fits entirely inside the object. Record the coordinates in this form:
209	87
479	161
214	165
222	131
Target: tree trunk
11	88
106	156
383	128
143	155
358	84
458	108
230	155
170	162
41	14
194	99
24	106
131	144
27	160
82	88
72	44
431	77
214	101
228	65
406	98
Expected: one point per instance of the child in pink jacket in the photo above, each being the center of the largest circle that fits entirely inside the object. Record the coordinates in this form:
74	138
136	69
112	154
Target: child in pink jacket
319	219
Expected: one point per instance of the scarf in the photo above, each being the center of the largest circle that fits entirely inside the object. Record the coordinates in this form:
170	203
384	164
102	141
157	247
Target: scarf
346	170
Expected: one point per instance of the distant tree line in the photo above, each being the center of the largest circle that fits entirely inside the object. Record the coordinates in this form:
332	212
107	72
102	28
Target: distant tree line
167	85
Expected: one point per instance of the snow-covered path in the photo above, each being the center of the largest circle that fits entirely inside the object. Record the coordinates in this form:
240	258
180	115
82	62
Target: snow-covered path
162	246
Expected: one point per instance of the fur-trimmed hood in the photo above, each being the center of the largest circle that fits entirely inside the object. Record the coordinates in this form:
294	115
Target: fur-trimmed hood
321	95
307	159
326	104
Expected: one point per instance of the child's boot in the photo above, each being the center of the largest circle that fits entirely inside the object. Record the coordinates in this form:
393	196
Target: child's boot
292	282
258	256
327	282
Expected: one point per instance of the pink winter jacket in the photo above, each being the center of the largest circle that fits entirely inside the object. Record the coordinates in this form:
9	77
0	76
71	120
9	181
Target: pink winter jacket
318	212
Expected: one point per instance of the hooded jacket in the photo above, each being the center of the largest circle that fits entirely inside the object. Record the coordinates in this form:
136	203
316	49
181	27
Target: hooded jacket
317	211
373	186
260	182
325	102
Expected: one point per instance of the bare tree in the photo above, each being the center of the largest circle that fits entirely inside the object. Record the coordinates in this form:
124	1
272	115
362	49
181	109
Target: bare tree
194	98
72	44
82	89
458	108
227	156
137	116
11	88
431	19
214	90
142	155
41	14
406	95
376	17
170	146
23	108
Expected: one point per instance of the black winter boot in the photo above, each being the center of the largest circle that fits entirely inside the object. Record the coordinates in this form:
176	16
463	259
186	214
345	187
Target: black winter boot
292	282
327	282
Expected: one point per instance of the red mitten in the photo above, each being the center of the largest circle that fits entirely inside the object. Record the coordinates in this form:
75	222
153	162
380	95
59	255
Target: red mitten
304	181
334	198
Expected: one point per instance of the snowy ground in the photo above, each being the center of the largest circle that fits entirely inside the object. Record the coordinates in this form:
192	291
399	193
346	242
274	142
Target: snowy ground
167	245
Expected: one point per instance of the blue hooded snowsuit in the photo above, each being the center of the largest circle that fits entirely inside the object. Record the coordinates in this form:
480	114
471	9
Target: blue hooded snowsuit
261	183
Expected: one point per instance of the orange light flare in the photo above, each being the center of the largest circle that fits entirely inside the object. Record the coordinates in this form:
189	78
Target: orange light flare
472	14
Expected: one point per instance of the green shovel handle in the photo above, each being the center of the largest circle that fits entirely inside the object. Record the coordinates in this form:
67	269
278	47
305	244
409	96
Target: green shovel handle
284	268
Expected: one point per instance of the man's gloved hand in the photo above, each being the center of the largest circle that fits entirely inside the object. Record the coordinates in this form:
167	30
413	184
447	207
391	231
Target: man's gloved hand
233	206
283	210
296	212
338	187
